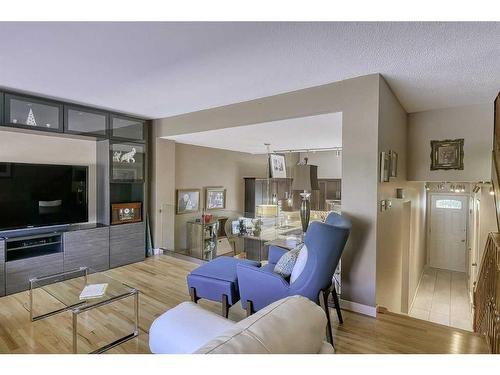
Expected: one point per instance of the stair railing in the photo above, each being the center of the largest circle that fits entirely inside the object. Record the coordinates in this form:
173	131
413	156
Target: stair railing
487	294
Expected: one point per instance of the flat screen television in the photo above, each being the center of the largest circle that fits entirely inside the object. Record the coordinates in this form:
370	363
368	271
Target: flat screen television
36	195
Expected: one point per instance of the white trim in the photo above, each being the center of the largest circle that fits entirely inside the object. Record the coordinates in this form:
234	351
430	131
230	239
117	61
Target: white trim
358	308
416	290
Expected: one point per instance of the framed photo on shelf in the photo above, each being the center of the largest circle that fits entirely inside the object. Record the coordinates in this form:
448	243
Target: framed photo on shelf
188	201
122	213
277	166
215	198
447	154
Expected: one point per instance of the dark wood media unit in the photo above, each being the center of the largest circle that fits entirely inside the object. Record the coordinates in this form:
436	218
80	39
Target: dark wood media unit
28	254
121	177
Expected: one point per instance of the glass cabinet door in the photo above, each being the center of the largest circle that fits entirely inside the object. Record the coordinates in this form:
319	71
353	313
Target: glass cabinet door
85	121
127	128
27	112
127	162
1	108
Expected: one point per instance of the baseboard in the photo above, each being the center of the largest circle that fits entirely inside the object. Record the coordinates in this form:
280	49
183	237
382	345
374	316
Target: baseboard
416	290
358	308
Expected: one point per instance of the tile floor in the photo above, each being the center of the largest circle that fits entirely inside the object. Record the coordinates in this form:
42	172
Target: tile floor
442	297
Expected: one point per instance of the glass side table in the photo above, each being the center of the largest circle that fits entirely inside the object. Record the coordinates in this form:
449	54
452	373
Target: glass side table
66	287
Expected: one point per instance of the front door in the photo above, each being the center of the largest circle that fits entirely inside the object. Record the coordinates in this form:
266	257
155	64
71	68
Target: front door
448	232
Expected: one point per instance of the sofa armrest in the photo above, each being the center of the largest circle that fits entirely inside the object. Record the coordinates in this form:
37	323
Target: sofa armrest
185	328
260	286
275	253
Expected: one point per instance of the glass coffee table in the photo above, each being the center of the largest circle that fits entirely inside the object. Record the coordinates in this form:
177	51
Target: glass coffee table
66	288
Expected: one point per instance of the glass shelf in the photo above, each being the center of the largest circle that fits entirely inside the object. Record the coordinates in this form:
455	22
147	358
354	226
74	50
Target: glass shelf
33	113
127	128
127	162
85	121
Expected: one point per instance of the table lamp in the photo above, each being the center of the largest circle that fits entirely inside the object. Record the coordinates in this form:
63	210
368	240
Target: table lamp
305	179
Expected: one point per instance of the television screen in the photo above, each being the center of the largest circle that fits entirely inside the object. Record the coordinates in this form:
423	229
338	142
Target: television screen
33	195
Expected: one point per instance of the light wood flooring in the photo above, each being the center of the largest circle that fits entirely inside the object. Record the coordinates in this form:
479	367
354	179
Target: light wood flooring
162	282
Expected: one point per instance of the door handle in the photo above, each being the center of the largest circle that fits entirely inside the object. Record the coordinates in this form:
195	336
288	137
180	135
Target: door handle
474	264
463	240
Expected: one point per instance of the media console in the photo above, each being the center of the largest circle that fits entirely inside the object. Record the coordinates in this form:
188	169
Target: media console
32	253
121	176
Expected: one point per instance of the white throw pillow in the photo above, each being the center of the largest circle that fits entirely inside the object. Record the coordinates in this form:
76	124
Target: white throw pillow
299	264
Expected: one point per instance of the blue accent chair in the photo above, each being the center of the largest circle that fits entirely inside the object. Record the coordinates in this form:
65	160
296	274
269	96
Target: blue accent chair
325	242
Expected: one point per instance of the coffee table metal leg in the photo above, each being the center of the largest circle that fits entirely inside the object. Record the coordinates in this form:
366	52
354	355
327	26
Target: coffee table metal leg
123	339
136	307
31	300
75	331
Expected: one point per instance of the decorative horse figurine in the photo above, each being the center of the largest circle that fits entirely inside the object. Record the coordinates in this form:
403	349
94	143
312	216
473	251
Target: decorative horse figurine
129	156
117	156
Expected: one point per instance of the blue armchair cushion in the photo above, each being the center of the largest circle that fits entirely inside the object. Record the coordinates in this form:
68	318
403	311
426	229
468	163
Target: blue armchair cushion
285	264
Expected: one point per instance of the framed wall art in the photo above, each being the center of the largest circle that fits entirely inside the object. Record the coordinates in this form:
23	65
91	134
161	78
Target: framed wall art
215	198
447	154
393	164
385	164
188	201
277	166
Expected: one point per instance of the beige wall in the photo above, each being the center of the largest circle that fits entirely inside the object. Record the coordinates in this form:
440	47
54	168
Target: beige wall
24	147
357	99
198	167
329	164
401	254
473	123
399	268
418	236
162	192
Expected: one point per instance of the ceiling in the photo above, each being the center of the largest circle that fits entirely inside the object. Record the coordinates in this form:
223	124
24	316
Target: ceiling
161	69
312	132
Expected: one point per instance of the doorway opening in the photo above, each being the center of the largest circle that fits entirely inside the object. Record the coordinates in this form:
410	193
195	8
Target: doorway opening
443	295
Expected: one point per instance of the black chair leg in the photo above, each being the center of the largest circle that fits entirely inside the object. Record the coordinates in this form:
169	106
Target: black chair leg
249	308
329	332
337	304
225	306
192	293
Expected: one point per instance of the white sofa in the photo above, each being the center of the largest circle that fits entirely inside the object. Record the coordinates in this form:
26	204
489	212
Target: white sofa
292	325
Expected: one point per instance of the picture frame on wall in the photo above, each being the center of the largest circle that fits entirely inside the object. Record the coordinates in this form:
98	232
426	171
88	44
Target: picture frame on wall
277	166
187	201
447	154
384	166
393	164
215	198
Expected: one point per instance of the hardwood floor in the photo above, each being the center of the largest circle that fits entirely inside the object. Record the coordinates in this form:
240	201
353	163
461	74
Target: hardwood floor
161	280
